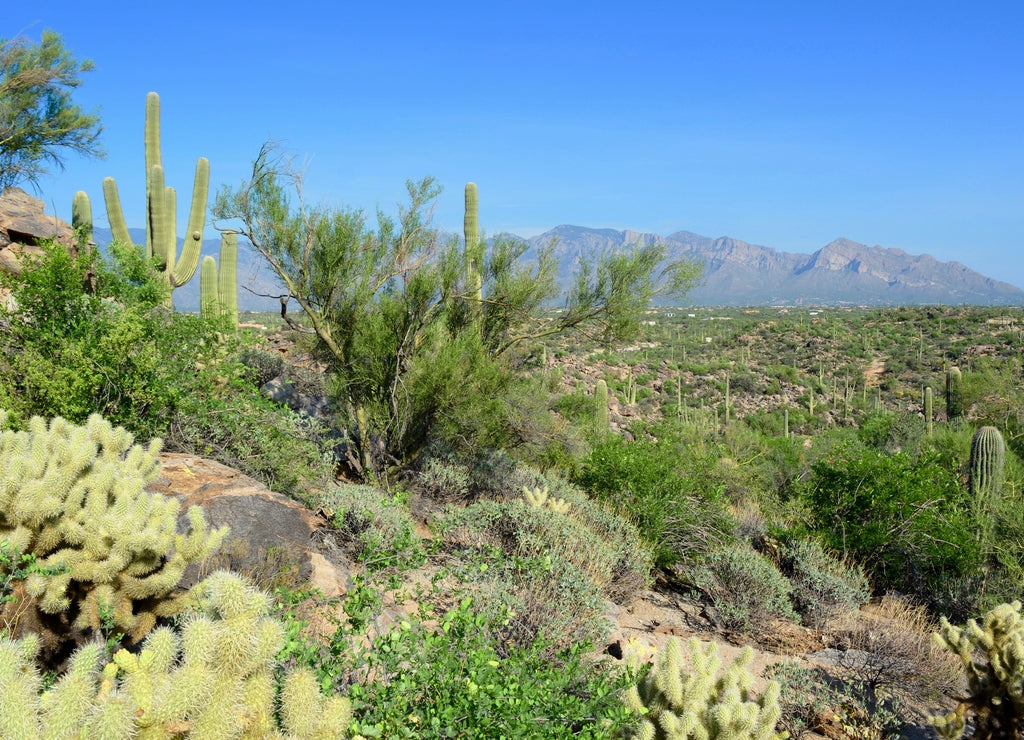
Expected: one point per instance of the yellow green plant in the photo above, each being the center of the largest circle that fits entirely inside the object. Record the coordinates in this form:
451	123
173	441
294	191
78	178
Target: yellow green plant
213	679
675	704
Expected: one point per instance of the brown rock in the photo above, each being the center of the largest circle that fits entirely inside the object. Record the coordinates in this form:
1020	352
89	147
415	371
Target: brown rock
272	537
24	225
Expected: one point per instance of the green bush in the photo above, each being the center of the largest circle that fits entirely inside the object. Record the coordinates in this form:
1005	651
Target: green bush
744	587
669	492
377	530
906	520
823	585
117	351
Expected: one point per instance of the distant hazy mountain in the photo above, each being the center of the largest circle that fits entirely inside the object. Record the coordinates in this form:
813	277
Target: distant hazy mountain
842	272
735	273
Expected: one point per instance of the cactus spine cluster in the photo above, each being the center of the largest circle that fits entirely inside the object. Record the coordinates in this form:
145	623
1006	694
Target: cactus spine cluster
73	497
675	705
992	654
213	679
218	288
161	207
985	476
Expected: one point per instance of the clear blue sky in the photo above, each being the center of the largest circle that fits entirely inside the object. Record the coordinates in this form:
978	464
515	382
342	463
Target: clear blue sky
780	123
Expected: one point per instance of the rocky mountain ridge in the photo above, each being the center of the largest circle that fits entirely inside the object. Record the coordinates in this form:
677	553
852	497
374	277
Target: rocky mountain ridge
736	273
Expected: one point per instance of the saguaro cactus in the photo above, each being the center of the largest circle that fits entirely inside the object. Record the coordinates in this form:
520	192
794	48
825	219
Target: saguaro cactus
81	219
985	475
929	414
218	287
954	397
473	252
601	407
161	237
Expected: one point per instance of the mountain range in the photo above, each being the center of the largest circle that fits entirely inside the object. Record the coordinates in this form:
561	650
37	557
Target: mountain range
735	273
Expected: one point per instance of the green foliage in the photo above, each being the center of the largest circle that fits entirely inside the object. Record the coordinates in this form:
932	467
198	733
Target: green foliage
212	679
674	704
38	120
823	586
664	489
992	654
906	520
71	352
409	360
744	587
455	680
73	499
378	531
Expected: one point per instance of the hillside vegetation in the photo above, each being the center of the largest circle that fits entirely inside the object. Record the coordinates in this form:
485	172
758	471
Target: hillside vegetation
513	464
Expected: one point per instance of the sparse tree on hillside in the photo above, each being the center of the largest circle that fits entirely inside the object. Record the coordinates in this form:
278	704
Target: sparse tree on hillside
38	121
389	307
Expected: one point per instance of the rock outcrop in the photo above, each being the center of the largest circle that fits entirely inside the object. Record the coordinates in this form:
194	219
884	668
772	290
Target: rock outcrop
24	225
270	533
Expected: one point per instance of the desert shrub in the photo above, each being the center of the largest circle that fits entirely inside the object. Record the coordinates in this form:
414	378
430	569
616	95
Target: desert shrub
744	587
448	675
533	571
823	585
376	530
262	366
887	652
906	520
813	701
669	494
71	352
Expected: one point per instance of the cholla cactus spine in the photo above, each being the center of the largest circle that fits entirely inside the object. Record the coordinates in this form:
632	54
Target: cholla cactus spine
996	702
213	679
540	498
675	705
74	497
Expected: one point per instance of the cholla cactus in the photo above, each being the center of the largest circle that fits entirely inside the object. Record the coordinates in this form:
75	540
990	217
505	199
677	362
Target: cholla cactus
212	680
996	680
540	498
73	497
676	705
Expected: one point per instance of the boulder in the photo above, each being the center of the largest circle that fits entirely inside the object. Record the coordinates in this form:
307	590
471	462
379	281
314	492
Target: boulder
272	537
24	225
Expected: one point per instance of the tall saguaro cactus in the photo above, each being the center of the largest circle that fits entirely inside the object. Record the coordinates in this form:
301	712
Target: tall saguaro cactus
161	232
218	288
954	397
985	476
601	408
473	251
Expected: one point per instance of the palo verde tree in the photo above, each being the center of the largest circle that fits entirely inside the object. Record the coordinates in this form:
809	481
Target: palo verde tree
412	353
38	120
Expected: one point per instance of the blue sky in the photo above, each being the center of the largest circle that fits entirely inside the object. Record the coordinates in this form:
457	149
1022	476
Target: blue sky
787	124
